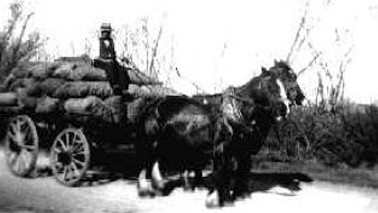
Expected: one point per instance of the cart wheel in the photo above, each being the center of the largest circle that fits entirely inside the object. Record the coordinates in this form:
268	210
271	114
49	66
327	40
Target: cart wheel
70	156
21	145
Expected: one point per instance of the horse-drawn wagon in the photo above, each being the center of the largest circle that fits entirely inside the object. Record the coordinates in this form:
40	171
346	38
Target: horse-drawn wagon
68	107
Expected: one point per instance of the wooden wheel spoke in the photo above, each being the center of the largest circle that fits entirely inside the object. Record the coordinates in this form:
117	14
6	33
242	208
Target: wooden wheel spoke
20	124
25	157
79	150
65	173
29	147
81	163
26	135
12	158
21	164
68	140
15	132
15	164
21	121
13	128
75	148
72	143
12	136
62	144
81	153
74	169
56	150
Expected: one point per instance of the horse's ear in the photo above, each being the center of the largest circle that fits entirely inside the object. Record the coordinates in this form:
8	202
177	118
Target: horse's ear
275	62
264	71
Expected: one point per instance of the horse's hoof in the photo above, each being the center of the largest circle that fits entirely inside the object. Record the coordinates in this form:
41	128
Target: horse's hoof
143	193
212	200
241	195
189	188
228	203
159	185
144	189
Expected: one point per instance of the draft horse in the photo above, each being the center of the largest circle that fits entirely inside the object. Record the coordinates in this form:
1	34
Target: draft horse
181	131
252	125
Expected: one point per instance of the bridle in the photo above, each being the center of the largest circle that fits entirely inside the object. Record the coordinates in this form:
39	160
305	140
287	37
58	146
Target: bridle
234	111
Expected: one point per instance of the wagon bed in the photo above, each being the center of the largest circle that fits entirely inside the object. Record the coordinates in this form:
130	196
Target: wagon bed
74	139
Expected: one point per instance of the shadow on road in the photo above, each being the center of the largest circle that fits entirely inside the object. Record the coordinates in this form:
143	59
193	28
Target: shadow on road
110	168
257	182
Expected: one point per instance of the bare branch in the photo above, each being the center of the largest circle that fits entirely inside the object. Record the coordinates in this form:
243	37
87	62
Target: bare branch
198	88
317	54
155	49
322	64
297	35
300	44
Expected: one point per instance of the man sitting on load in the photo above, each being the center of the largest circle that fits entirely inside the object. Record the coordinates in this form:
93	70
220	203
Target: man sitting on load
118	77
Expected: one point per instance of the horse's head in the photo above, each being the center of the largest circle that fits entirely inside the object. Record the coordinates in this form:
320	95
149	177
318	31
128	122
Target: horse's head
289	79
269	92
265	92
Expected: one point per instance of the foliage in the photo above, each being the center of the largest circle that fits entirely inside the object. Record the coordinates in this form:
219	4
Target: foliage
345	137
15	43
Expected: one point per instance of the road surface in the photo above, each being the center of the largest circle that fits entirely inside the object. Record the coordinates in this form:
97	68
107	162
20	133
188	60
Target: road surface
44	194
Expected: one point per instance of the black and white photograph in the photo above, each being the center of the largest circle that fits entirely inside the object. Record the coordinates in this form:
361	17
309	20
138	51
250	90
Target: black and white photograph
155	106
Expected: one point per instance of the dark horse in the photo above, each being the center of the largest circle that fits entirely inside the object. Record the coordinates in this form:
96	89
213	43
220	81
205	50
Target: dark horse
252	127
187	133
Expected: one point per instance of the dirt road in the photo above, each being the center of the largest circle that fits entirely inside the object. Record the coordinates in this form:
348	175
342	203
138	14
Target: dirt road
44	194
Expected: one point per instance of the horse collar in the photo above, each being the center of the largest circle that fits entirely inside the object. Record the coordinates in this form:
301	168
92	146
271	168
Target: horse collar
230	106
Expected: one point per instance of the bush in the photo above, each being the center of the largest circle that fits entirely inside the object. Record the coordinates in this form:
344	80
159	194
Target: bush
348	136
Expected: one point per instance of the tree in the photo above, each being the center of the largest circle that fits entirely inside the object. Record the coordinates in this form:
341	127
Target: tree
141	46
16	44
329	58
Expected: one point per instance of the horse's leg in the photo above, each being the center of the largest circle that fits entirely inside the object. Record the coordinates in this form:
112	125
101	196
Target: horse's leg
186	180
145	159
144	187
157	178
220	195
242	176
198	177
189	185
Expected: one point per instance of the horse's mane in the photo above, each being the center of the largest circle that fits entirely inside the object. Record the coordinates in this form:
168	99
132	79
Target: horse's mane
281	64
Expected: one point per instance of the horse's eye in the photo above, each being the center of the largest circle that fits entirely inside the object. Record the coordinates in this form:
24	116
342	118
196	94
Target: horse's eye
292	75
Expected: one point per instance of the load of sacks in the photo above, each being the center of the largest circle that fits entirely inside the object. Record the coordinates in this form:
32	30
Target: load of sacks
74	88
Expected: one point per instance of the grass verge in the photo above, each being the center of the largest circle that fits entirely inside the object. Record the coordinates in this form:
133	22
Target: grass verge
361	177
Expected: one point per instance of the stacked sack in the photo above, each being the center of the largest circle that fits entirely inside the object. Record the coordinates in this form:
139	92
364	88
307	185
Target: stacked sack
73	87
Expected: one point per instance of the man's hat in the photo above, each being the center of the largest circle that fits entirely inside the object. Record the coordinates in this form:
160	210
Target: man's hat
105	27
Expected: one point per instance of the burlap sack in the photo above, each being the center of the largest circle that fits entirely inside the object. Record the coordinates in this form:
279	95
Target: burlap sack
90	105
8	99
80	89
49	86
25	100
46	105
79	72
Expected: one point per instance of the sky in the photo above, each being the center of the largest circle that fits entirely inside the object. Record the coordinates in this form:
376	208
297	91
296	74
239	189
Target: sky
219	43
